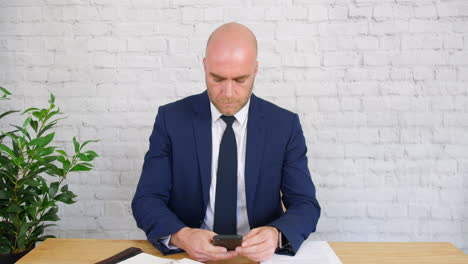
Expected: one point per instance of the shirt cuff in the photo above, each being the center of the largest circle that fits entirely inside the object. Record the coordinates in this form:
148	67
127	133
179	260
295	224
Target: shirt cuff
280	243
165	240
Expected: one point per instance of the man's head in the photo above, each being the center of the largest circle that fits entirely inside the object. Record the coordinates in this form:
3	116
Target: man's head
230	65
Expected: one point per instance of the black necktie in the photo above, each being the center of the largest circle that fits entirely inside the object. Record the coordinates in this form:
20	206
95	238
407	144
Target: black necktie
226	182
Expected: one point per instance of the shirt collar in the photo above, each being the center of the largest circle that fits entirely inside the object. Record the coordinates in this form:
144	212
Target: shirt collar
240	116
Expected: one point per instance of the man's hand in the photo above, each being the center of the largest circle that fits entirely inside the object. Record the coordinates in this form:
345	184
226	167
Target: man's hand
197	243
259	244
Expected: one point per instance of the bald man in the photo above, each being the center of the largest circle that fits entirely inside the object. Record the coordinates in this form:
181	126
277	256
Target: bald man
223	161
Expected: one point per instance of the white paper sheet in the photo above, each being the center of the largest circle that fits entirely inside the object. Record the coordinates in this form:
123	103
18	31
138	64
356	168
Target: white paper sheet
144	258
311	252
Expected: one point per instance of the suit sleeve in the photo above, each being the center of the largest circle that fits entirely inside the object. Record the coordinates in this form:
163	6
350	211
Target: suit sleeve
150	203
302	208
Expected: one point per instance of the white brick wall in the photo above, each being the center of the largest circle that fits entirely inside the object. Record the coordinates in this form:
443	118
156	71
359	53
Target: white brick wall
381	88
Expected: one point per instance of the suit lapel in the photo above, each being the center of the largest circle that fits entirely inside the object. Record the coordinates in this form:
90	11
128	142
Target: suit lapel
202	133
254	153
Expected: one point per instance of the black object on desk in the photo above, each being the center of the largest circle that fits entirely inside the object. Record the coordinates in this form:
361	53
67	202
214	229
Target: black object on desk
121	256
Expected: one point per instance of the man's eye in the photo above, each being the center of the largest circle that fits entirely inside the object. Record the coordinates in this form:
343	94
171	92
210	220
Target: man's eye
241	81
218	80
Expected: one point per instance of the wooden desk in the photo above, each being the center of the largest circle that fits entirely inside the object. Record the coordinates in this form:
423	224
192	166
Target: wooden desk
71	251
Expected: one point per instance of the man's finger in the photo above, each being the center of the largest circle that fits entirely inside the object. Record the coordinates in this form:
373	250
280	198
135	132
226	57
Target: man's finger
211	234
254	240
258	248
257	256
252	233
260	254
200	257
210	249
221	256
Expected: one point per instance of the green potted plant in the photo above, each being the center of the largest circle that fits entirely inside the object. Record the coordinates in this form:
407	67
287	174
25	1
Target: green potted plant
28	201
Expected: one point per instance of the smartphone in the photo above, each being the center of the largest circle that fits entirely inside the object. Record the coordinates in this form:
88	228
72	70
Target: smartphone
230	242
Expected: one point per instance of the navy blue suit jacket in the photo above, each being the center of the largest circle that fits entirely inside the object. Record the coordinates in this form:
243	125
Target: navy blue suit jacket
173	190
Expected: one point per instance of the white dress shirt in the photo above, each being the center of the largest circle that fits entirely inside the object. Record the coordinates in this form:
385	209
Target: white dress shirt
240	131
217	130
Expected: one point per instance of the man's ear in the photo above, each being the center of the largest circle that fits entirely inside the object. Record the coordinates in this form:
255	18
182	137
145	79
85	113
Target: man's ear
256	67
204	64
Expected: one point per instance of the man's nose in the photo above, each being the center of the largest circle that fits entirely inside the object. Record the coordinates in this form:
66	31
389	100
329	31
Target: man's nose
228	92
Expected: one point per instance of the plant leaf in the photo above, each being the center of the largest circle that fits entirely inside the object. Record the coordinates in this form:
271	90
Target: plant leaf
66	165
32	182
21	236
91	152
52	98
53	170
4	249
51	114
32	210
49	126
34	125
26	122
76	144
49	159
14	209
8	165
44	187
51	215
8	112
53	189
80	167
42	238
38	114
42	141
84	157
86	142
7	150
66	197
62	152
24	131
4	195
46	151
5	91
30	109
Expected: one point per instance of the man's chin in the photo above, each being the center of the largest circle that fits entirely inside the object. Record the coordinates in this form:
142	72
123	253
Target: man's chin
228	111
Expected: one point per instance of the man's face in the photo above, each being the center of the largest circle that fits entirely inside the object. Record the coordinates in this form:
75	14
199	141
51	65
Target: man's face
229	77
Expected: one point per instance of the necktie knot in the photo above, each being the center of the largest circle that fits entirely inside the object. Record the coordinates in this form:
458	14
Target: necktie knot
228	120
